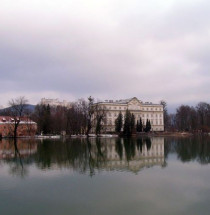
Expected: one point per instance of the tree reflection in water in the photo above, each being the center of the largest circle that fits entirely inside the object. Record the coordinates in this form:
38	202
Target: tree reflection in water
16	153
96	154
119	148
93	155
139	144
15	162
196	149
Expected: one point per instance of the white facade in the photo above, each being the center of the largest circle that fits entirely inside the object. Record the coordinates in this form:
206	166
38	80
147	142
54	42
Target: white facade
55	102
147	110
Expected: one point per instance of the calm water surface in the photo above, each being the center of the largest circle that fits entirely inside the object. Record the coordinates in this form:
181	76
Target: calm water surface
105	176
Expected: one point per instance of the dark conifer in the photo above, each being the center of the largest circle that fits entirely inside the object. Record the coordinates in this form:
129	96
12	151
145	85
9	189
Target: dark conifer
132	123
149	125
119	123
127	124
140	126
137	126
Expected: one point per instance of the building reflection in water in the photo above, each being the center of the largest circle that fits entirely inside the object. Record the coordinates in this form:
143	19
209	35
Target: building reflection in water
86	155
25	147
17	155
132	154
97	154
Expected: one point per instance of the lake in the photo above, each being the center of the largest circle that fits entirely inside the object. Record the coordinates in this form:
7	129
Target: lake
157	175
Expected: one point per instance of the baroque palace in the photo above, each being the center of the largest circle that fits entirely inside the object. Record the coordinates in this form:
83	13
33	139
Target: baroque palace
147	110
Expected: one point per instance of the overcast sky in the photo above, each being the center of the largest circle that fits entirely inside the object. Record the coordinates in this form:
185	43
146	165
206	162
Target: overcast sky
110	49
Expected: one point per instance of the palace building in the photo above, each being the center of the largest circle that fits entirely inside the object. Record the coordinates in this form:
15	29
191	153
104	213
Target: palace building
143	110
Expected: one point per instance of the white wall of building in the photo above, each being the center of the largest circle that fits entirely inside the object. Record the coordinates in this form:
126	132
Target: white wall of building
152	112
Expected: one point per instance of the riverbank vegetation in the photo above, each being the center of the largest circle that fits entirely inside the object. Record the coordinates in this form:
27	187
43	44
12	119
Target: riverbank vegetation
84	116
189	118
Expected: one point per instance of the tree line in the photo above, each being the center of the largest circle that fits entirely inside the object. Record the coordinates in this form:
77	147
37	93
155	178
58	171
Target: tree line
84	155
85	116
189	118
82	117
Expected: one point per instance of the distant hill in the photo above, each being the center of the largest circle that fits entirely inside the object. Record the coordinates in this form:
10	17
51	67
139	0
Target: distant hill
31	107
5	111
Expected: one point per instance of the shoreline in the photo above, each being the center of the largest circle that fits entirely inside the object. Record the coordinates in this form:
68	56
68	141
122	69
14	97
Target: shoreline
140	134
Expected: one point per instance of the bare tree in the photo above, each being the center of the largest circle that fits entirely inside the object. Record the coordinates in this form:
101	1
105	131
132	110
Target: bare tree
183	117
189	118
165	112
17	109
203	111
30	124
75	120
100	113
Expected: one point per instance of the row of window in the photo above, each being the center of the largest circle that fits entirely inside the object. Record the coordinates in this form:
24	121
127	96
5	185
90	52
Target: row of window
144	154
157	147
124	108
153	122
136	115
154	129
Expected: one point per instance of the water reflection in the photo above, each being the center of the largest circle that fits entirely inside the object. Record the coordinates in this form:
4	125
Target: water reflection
17	154
135	154
97	154
189	149
84	155
10	148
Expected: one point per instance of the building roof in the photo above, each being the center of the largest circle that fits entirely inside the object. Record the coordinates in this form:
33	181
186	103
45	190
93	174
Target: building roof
126	101
10	119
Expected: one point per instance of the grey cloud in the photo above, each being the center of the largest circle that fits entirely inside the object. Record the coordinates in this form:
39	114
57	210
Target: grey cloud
152	56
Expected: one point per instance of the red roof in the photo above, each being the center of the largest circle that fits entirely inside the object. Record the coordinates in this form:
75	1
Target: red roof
11	118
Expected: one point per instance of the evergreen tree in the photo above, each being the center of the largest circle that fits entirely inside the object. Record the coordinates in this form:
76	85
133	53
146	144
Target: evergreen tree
127	123
149	125
146	128
132	123
140	126
137	126
119	122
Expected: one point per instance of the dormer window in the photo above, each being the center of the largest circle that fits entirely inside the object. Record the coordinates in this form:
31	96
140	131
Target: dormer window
12	120
3	120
